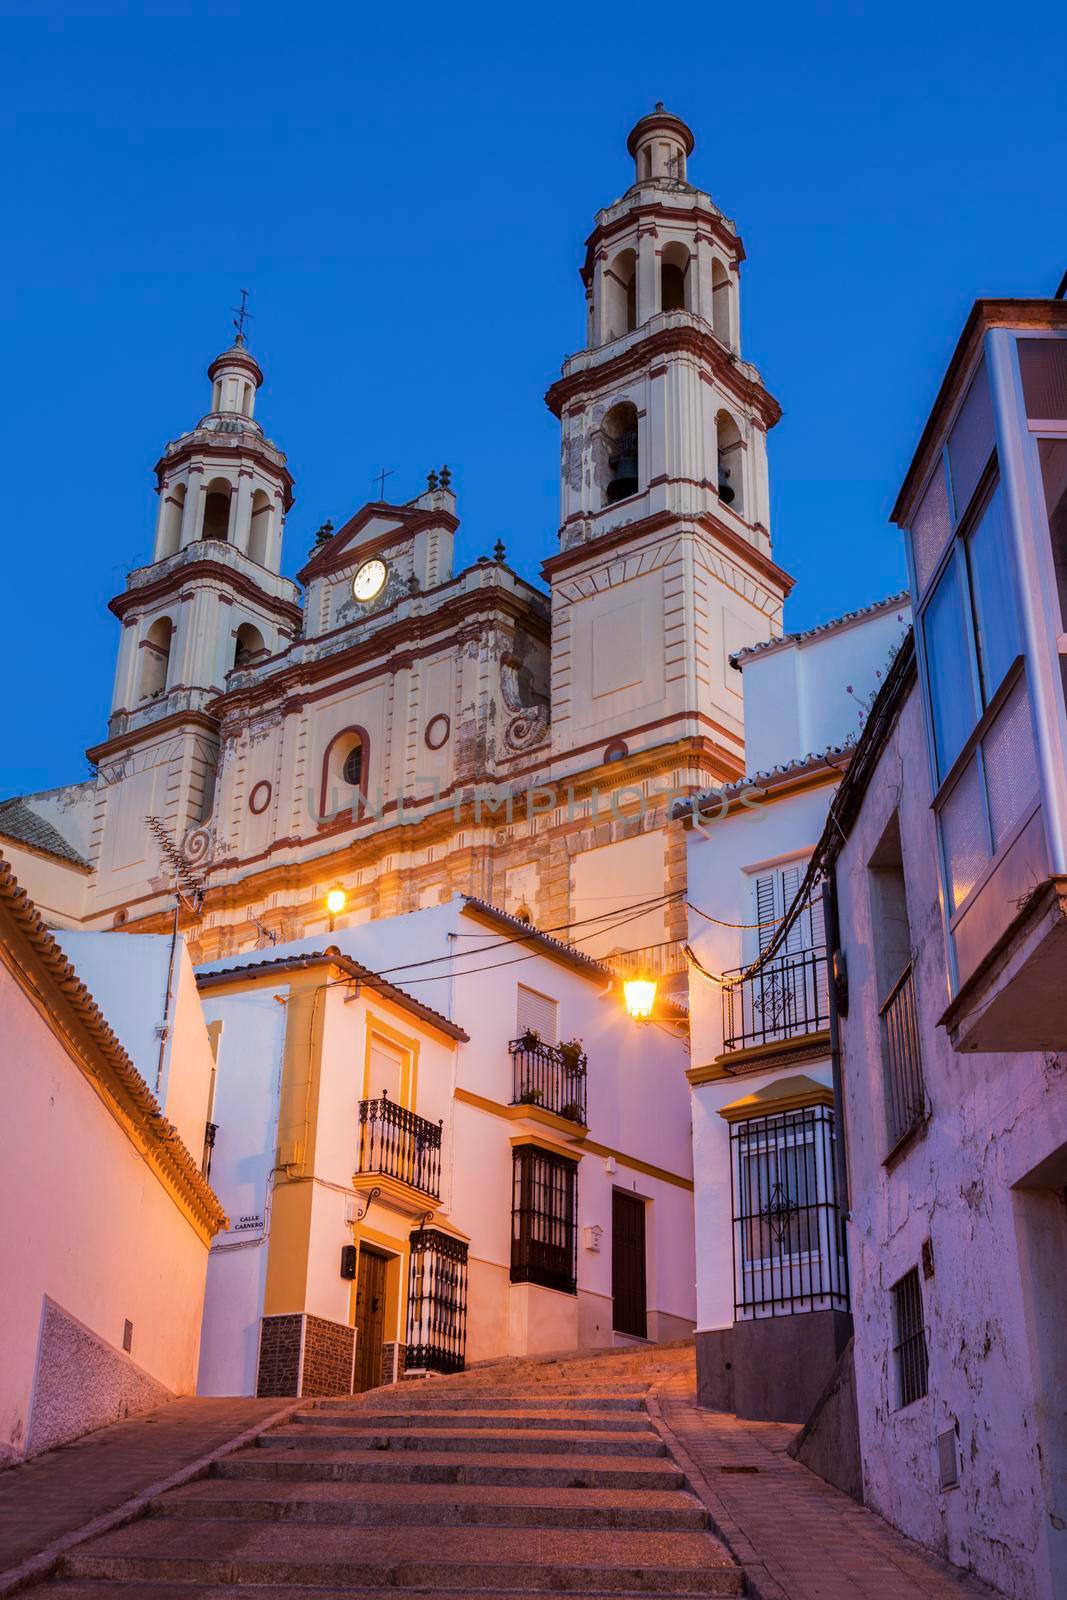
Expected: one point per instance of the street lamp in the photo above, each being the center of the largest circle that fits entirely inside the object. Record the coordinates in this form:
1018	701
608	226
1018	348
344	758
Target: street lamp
640	994
336	900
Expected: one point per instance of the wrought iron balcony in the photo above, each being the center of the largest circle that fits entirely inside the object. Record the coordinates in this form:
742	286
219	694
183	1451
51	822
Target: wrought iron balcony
789	998
903	1059
396	1143
550	1076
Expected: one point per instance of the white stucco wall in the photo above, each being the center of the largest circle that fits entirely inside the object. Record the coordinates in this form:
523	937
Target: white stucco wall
984	1183
96	1232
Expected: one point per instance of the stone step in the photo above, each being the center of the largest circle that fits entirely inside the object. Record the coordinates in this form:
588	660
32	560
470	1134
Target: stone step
406	1396
527	1560
513	1421
455	1505
519	1470
102	1589
551	1441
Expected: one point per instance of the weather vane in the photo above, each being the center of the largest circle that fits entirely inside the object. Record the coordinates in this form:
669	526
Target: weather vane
242	316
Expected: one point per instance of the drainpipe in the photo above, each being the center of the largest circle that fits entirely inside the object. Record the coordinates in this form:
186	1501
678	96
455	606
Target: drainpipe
164	1030
838	989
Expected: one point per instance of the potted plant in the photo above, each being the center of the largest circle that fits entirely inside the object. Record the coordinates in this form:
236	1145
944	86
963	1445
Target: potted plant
572	1112
571	1055
530	1040
530	1097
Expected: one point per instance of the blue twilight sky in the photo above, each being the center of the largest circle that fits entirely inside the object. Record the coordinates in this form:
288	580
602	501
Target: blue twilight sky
405	190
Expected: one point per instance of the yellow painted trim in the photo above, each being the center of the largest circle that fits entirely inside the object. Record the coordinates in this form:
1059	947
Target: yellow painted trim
522	1139
549	1119
589	1146
731	1061
408	1046
787	1094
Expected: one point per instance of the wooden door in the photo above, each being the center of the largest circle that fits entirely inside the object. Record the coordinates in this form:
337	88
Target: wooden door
628	1264
370	1318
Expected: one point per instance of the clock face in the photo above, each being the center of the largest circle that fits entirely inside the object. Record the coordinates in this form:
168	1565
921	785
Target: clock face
369	580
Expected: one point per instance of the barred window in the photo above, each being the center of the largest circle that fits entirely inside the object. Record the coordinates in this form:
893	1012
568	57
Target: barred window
437	1302
788	1250
544	1219
909	1351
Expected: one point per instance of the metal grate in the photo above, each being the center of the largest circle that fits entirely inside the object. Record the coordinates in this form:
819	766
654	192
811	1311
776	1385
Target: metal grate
788	1246
905	1089
550	1076
437	1302
909	1352
1043	365
786	999
931	527
544	1219
401	1145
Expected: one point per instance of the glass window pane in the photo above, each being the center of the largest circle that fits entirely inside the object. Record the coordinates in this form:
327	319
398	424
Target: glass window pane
1043	365
993	589
1010	764
931	527
948	666
964	835
970	444
1053	453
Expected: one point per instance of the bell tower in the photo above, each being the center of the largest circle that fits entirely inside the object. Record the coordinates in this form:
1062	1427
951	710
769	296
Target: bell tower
211	603
664	566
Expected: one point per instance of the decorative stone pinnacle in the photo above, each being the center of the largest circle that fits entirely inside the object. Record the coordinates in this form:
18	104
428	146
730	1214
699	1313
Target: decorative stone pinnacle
498	550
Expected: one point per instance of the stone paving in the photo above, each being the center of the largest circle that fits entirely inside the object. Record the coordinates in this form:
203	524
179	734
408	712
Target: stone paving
796	1536
64	1489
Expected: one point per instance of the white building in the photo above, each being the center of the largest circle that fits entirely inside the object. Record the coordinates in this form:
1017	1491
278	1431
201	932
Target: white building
107	1218
772	1283
949	857
412	1183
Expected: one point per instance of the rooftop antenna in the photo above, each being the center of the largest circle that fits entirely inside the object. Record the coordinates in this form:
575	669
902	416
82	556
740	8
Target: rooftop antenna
241	316
1062	290
380	477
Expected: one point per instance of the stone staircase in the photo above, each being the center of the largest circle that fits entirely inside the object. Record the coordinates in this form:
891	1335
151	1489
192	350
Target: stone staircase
518	1478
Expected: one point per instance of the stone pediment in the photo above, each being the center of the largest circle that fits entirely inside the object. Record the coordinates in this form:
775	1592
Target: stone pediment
375	527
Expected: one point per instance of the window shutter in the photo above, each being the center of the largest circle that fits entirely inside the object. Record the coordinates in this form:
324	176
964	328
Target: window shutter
766	908
775	893
538	1012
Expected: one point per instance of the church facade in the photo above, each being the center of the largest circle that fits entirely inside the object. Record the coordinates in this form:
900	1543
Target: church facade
402	731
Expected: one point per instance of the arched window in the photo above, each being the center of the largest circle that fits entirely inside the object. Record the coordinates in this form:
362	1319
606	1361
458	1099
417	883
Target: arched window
674	278
259	532
155	658
217	509
720	302
248	645
619	457
352	767
170	534
731	453
345	768
620	295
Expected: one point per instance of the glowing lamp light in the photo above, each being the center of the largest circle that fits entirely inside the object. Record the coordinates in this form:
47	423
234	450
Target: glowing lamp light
640	996
336	900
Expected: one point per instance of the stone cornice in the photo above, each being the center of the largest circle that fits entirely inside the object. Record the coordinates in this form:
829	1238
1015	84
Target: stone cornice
659	210
685	340
203	568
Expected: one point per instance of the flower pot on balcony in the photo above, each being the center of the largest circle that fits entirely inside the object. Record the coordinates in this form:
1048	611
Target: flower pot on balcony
571	1055
572	1112
530	1097
530	1040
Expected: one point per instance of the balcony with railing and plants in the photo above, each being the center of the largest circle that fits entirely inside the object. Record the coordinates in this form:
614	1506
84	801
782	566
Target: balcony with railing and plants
400	1146
551	1077
786	1000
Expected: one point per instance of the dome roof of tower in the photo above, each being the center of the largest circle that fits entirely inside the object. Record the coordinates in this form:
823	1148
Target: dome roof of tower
659	118
237	356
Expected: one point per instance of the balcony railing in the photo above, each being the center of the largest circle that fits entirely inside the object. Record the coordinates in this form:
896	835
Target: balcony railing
398	1144
786	999
905	1089
652	960
550	1076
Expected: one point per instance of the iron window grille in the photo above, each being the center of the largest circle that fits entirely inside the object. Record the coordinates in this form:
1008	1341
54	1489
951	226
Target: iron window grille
786	999
550	1076
398	1144
544	1219
437	1302
909	1351
905	1089
789	1252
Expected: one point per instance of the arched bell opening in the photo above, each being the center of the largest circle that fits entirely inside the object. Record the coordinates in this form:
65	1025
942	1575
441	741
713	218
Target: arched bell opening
674	278
155	658
731	456
217	510
620	443
620	295
249	646
170	533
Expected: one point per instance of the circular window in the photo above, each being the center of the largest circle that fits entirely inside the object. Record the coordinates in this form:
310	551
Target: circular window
120	917
437	731
259	799
617	750
352	771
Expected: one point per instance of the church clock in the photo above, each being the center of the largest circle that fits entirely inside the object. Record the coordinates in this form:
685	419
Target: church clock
369	580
